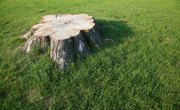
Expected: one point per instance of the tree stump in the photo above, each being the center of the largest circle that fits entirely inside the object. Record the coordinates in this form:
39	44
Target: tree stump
68	36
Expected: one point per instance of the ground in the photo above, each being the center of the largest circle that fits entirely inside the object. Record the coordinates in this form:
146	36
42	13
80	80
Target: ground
140	70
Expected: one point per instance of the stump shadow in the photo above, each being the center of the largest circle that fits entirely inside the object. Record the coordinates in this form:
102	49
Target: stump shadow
116	31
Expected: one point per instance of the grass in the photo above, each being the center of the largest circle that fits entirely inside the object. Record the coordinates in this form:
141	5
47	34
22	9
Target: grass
141	70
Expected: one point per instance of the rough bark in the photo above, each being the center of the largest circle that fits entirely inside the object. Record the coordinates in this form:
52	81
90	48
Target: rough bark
68	36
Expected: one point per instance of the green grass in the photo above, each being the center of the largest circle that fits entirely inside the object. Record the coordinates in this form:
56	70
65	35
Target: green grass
141	70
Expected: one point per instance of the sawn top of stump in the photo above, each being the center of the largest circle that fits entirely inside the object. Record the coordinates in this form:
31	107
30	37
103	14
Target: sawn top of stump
60	27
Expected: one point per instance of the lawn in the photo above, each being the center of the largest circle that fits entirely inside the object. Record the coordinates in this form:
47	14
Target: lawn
140	70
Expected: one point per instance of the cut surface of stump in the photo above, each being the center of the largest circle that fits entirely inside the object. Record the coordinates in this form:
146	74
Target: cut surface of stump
68	36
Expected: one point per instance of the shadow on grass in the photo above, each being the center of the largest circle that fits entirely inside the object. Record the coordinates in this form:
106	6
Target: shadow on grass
116	30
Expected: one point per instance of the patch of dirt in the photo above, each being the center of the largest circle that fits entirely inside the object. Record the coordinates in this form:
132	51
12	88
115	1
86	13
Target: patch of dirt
34	95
